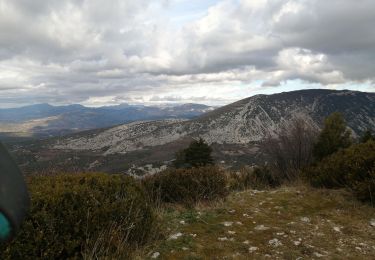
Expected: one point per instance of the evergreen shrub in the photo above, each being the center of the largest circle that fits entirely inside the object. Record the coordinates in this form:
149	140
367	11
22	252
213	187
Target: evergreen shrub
70	213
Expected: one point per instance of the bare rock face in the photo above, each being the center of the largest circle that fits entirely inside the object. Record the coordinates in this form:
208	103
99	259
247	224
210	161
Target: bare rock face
248	120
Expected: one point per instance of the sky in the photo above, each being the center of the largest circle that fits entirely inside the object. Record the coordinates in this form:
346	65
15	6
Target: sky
100	52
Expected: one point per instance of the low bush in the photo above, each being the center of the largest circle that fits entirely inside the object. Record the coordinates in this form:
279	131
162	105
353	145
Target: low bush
82	216
186	186
260	177
352	168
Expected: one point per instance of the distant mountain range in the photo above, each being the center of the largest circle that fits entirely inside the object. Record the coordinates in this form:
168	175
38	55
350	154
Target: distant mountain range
248	120
46	120
235	131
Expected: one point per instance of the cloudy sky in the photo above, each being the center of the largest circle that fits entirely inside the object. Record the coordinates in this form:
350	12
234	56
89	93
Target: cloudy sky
103	52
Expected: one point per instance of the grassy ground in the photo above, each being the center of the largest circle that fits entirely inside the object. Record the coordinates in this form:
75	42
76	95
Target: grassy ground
287	223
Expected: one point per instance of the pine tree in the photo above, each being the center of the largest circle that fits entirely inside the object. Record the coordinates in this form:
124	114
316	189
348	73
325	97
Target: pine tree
333	137
367	136
198	154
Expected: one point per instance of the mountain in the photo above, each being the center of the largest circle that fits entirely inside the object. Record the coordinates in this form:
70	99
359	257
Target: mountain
26	113
46	120
234	131
248	120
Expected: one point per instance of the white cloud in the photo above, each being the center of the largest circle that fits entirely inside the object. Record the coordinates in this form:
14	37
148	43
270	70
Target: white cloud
289	8
90	51
296	63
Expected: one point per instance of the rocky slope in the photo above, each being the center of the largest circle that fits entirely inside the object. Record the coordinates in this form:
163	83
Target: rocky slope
246	121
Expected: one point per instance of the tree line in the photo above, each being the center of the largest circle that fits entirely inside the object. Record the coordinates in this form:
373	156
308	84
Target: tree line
329	157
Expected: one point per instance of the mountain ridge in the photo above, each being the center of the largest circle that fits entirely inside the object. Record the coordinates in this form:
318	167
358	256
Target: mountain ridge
236	133
245	121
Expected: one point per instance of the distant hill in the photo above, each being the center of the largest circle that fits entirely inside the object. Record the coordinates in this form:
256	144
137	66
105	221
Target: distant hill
43	120
248	120
235	132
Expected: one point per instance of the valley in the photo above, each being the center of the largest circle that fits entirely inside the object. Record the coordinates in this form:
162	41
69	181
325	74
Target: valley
235	132
44	120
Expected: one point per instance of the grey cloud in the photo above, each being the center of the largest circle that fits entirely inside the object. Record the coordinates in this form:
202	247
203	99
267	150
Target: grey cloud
247	34
342	30
75	50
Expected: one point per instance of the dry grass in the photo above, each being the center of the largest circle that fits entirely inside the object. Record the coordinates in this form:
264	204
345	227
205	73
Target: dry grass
301	222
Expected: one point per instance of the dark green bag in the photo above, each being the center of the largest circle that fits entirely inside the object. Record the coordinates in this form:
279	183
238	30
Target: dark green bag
14	198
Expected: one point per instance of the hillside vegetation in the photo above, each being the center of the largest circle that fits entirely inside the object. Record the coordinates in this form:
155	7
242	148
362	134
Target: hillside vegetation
313	199
111	216
83	215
